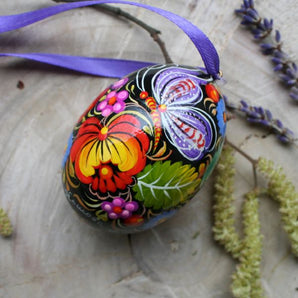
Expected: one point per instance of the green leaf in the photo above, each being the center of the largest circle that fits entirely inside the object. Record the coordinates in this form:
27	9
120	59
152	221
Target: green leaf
101	215
164	185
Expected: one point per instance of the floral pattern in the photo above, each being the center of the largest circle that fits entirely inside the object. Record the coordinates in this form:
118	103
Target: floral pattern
221	117
107	155
144	147
118	208
113	102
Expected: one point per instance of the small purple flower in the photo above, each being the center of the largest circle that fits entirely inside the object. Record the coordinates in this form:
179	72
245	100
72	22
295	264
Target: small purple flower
114	102
277	36
294	93
118	208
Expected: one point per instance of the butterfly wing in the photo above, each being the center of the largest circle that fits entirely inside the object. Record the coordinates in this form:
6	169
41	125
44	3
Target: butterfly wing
177	86
190	130
177	90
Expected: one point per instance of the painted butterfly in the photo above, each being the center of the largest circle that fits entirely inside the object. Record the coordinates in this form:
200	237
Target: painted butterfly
176	92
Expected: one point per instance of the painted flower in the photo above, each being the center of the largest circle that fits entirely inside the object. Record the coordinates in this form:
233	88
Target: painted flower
202	169
221	116
112	102
107	155
118	208
119	83
134	221
212	93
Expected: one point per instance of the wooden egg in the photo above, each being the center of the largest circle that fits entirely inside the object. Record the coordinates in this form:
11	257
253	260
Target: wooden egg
144	147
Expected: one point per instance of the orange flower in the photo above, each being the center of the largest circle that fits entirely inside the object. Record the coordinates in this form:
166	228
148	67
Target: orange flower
107	155
212	92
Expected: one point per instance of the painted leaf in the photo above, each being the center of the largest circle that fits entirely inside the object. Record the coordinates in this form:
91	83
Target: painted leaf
165	185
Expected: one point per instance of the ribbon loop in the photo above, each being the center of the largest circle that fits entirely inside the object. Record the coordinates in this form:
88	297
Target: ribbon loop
200	40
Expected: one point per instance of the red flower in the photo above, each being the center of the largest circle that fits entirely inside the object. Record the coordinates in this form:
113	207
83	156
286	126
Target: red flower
107	155
134	220
212	92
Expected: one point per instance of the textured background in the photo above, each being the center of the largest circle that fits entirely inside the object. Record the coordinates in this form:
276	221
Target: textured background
52	252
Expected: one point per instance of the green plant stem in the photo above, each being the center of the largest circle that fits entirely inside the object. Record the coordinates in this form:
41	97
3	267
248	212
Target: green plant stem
248	157
253	161
154	33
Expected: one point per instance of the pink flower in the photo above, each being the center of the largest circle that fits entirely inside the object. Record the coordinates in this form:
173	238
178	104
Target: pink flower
113	102
118	208
119	83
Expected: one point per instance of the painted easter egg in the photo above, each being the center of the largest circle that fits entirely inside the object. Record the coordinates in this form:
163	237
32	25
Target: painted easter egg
144	147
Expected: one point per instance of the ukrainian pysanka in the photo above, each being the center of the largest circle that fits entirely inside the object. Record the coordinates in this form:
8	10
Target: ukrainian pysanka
144	147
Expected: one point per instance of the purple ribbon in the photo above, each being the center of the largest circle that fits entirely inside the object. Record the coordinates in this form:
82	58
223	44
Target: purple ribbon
106	67
102	66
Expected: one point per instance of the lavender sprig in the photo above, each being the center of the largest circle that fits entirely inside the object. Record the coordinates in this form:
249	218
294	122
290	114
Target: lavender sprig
264	117
262	29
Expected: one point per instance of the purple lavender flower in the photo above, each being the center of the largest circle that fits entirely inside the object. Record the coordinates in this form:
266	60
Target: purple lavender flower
262	29
294	93
290	75
264	118
271	48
